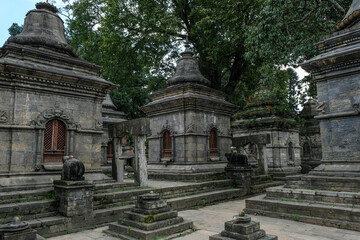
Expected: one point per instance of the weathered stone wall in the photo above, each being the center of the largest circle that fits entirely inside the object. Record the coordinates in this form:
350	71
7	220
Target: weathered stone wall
24	110
190	134
277	151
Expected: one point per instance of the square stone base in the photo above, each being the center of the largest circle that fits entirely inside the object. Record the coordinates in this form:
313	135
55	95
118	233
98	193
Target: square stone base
28	234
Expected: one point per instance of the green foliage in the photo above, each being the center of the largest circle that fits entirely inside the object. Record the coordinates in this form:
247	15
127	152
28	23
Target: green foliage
15	29
236	42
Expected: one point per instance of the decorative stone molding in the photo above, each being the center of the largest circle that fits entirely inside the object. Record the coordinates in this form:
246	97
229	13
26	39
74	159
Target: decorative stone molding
213	126
167	127
4	117
191	128
55	113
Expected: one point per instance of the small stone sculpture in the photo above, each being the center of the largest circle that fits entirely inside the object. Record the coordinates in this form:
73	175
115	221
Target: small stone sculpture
73	169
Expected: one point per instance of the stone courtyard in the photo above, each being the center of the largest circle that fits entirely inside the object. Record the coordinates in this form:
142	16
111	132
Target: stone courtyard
196	167
207	219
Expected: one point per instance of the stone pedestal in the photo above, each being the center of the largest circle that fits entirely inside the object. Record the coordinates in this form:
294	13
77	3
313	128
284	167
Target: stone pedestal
239	170
151	218
27	234
75	197
241	227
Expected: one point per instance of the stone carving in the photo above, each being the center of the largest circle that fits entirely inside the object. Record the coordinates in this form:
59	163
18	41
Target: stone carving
251	151
4	117
73	169
55	113
356	108
98	124
191	128
321	107
211	127
166	127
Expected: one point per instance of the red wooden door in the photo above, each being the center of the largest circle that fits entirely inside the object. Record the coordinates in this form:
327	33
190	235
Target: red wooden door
54	141
109	154
213	144
167	146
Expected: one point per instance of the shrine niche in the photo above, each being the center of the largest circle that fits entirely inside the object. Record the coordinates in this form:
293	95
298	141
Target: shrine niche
51	100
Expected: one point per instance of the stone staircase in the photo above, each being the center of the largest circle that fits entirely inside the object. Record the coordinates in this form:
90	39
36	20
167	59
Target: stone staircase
112	199
328	208
37	206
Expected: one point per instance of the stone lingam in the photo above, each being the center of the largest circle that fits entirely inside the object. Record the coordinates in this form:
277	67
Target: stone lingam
241	227
151	218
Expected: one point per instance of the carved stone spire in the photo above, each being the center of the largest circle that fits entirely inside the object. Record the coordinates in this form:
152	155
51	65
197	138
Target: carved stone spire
187	70
43	27
352	17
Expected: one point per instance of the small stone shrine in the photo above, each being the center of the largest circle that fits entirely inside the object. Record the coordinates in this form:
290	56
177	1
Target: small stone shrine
18	230
310	139
110	115
190	123
267	136
241	227
329	194
50	102
151	218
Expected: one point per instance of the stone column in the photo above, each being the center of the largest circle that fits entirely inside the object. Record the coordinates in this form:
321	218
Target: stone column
117	161
141	174
75	198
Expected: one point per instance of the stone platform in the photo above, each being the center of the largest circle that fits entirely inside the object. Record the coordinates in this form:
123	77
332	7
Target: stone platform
151	218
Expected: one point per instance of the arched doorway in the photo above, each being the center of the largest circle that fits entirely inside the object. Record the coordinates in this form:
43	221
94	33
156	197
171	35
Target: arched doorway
54	141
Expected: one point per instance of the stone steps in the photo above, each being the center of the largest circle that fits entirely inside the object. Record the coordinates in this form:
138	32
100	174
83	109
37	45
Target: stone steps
326	214
26	196
203	199
261	187
50	226
119	198
27	208
113	185
206	176
345	199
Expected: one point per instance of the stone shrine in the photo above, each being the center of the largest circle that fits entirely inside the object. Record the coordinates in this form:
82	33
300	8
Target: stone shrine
110	115
329	194
189	122
310	139
50	102
267	136
241	227
151	218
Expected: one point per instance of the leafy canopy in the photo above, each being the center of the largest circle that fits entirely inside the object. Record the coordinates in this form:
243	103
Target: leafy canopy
237	42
